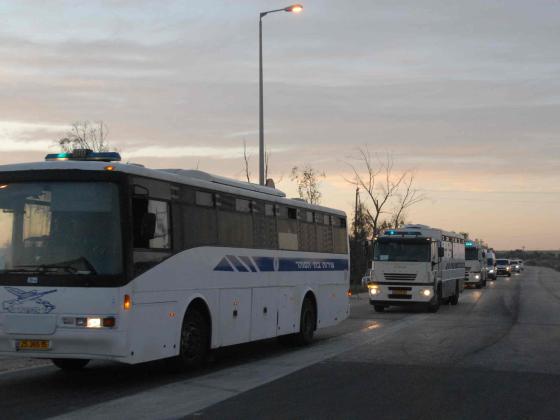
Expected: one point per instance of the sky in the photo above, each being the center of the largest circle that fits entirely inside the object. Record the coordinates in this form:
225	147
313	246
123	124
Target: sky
464	93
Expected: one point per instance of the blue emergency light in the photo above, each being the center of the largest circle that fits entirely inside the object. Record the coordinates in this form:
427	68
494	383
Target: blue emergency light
469	243
85	155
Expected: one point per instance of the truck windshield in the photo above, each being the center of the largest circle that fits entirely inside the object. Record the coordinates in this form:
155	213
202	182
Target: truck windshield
490	261
471	254
395	250
502	262
60	228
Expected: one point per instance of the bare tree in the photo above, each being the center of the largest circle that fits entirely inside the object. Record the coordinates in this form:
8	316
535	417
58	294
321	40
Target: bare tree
247	174
308	183
246	158
379	182
86	135
409	196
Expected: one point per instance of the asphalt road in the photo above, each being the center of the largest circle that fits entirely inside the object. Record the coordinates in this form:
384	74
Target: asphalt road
495	355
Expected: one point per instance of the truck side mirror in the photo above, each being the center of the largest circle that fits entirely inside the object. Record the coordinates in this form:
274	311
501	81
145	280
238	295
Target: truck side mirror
368	248
441	252
148	226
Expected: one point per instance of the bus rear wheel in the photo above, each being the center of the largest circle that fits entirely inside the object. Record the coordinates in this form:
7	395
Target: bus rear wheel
195	339
70	364
307	323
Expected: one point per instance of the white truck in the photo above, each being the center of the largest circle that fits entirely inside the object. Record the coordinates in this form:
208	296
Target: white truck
417	264
475	264
491	264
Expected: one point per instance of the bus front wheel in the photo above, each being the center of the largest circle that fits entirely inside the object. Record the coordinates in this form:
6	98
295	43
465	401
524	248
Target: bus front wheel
70	364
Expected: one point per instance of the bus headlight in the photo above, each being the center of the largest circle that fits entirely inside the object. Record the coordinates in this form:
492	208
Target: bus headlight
93	323
374	289
426	292
90	322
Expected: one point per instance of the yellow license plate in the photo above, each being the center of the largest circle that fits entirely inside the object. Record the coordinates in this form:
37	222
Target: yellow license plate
400	292
33	345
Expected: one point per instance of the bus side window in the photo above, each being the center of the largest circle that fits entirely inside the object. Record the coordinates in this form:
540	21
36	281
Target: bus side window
306	231
324	233
340	235
287	228
150	224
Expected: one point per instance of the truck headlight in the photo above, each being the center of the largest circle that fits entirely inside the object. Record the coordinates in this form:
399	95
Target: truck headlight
477	276
374	289
426	292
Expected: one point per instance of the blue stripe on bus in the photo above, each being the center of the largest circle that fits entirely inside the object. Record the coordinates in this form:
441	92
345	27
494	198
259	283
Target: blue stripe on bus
223	265
248	263
267	264
236	263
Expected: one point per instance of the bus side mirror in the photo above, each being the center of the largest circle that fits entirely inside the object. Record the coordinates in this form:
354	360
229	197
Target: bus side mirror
148	227
441	252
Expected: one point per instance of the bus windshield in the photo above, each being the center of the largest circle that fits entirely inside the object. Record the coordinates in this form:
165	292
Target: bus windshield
60	228
471	254
395	250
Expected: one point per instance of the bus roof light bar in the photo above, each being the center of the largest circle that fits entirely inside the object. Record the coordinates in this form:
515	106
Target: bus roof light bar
85	155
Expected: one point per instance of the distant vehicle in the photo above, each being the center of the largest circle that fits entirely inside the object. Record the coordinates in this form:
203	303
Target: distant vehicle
516	266
503	267
491	264
417	264
475	264
102	260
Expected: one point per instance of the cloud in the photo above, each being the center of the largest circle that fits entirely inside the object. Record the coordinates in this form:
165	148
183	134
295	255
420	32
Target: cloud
466	93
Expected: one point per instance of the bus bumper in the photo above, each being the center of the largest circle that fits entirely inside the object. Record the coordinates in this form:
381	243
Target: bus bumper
70	343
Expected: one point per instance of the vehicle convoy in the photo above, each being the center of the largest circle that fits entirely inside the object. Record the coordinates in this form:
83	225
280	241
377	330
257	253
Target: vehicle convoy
491	264
503	267
476	273
102	260
417	264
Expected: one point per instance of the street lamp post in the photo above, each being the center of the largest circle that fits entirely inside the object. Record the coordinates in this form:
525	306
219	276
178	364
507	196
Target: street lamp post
294	8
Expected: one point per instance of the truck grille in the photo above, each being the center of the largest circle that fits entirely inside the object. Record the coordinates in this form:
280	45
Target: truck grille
399	276
467	269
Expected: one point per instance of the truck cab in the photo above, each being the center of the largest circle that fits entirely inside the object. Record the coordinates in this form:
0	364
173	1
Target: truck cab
475	264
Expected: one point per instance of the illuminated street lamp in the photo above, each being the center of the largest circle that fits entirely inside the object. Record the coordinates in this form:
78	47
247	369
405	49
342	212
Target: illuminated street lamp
294	8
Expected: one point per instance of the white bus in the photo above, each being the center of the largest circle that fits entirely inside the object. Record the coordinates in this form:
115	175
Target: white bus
102	260
417	264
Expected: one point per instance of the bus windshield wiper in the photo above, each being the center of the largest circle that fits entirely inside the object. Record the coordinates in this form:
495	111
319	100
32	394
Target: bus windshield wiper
44	268
78	266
